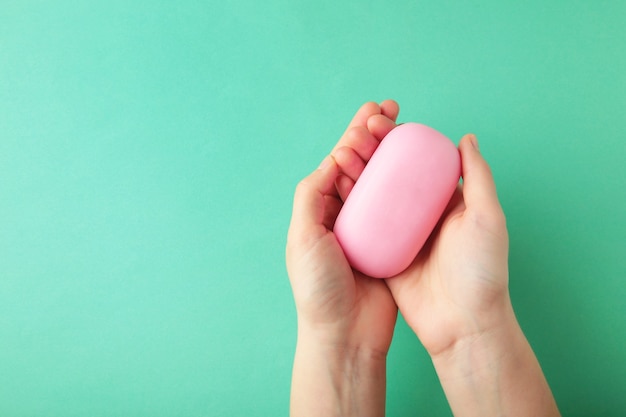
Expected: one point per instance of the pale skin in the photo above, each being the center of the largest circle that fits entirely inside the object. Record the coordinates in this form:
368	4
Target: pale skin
454	296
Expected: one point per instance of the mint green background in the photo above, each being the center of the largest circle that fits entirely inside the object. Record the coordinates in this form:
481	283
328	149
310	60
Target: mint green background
148	154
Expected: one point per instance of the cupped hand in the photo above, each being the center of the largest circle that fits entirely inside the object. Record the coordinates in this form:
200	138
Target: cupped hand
457	287
337	306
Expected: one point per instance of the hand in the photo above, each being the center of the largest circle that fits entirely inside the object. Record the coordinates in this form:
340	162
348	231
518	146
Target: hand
341	307
345	319
455	297
457	287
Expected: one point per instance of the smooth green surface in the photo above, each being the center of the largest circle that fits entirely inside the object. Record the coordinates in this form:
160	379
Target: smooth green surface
148	154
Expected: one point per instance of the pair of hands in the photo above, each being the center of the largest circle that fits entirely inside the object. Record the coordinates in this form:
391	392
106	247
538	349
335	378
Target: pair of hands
457	287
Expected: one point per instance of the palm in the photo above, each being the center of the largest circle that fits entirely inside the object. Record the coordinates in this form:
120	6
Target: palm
453	278
353	308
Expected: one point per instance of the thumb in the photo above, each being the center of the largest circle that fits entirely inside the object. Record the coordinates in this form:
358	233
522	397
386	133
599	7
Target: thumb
309	198
479	188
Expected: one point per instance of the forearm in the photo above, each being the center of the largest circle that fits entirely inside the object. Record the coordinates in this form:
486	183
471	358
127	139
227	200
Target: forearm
337	381
495	373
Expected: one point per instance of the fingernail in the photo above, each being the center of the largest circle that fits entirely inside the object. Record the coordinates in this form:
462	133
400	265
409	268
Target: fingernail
326	162
474	141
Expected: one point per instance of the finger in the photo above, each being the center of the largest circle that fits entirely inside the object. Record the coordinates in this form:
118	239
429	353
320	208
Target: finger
350	163
379	126
359	120
479	188
331	211
309	198
344	185
390	109
364	113
360	140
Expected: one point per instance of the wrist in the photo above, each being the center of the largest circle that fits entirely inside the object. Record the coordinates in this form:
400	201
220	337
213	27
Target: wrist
345	337
337	379
482	346
339	351
493	373
471	369
469	323
340	355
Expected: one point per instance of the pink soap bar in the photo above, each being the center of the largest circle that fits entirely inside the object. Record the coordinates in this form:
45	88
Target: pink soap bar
398	200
